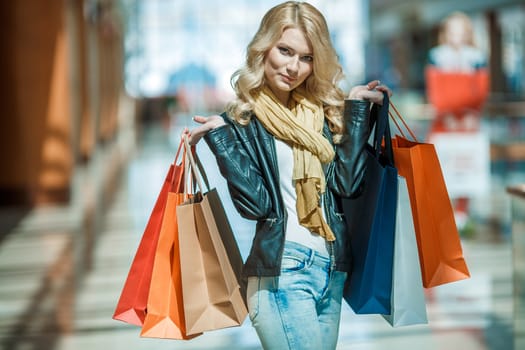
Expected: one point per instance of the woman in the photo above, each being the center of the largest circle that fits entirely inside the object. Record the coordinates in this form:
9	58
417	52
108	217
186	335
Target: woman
457	88
285	148
457	77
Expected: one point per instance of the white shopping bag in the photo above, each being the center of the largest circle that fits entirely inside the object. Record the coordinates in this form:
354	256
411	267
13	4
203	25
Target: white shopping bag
465	162
408	299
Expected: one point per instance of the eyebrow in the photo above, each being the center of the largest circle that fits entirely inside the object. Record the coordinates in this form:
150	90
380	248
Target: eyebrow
280	43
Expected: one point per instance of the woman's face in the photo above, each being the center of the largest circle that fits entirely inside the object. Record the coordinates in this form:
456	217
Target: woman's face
288	63
456	33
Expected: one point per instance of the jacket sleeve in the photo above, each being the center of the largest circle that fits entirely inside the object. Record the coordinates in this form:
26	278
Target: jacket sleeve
348	167
245	183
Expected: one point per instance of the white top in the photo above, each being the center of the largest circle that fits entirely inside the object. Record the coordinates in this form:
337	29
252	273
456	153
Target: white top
294	231
464	59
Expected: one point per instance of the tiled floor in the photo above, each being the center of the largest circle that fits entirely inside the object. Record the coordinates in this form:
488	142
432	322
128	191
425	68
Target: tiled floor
62	269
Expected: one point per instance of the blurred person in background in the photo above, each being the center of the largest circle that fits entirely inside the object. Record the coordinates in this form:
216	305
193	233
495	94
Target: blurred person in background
285	146
456	77
457	83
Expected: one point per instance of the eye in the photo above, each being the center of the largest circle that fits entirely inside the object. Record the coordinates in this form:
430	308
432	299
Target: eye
307	58
284	50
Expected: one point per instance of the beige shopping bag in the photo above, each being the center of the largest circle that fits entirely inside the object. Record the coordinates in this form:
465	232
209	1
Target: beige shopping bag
211	264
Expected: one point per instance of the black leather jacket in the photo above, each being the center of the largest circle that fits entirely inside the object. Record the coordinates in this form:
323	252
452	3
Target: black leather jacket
247	159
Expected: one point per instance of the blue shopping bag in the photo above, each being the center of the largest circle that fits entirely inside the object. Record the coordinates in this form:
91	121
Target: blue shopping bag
371	220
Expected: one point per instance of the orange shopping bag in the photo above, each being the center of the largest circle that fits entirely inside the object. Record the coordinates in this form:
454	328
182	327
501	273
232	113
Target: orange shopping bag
165	309
440	253
131	307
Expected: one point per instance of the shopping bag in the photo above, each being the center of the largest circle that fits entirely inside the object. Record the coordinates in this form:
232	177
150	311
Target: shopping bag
465	162
408	298
440	252
165	313
455	92
211	263
165	310
131	307
371	224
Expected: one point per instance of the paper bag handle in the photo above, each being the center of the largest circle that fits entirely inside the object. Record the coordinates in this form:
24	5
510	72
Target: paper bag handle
175	180
195	169
398	116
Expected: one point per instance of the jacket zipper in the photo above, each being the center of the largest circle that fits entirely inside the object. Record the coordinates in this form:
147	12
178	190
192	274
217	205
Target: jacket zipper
331	245
275	165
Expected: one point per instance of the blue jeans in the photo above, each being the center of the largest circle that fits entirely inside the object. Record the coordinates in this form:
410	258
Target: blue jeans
301	308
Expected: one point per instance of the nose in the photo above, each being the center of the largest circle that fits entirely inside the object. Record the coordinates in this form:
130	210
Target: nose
293	66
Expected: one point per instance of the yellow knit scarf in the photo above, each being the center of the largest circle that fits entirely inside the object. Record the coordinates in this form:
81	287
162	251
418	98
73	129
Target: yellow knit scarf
301	126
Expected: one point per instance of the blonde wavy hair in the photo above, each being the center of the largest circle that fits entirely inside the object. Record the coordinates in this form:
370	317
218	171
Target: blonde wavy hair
320	85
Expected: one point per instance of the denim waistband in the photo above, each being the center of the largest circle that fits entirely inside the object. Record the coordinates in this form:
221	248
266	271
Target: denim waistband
301	251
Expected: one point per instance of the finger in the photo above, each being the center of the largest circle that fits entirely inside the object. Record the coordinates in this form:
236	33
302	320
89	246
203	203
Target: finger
193	139
197	133
384	88
374	96
373	84
200	119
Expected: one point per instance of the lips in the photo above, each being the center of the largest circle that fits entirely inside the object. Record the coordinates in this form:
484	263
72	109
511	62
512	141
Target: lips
288	79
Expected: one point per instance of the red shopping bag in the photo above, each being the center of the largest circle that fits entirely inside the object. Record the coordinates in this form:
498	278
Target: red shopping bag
455	92
132	304
440	252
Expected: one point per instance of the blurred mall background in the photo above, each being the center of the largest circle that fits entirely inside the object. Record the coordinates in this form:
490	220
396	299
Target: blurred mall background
95	94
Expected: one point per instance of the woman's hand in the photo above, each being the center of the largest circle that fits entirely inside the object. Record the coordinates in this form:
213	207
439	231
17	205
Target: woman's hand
207	123
373	92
